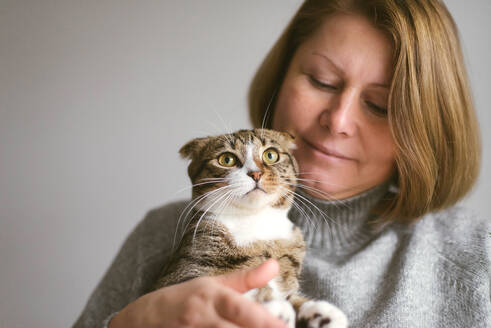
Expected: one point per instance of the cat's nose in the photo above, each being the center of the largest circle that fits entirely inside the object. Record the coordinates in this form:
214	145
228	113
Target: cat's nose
255	175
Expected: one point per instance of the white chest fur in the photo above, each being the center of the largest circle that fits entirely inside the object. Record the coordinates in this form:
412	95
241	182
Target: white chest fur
267	224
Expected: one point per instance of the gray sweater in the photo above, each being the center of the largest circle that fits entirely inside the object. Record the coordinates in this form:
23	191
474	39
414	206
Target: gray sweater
434	273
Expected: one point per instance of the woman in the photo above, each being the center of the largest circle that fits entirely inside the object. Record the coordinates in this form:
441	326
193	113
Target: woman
376	93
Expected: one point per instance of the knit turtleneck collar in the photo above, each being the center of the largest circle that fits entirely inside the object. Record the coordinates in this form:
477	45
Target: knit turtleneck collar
338	227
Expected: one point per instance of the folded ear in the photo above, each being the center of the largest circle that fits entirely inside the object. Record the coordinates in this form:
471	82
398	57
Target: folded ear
192	149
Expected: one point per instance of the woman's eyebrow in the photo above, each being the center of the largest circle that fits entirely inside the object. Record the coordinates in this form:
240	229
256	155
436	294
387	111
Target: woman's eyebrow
380	85
331	63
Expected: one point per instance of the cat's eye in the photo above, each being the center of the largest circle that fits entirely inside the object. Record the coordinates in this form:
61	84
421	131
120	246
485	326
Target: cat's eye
271	156
227	160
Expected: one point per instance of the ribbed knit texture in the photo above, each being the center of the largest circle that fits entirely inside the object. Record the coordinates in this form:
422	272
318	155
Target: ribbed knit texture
435	273
338	227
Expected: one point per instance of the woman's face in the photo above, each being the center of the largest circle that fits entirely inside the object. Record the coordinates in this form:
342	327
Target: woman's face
334	100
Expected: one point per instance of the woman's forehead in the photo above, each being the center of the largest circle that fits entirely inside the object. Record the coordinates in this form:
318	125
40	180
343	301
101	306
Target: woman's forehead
350	46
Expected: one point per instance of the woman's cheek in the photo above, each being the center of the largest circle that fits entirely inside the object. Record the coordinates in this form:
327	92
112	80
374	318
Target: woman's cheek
383	156
287	109
294	109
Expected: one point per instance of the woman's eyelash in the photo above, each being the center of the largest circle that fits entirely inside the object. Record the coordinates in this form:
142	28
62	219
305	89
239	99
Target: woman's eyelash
380	111
377	110
321	84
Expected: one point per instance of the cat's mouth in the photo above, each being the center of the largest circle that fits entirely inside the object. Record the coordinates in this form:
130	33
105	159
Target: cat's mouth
257	188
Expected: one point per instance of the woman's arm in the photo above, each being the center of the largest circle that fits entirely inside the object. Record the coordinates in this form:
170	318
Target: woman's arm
136	266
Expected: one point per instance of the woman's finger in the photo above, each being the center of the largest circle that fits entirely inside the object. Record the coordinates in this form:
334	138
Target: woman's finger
245	280
219	322
241	311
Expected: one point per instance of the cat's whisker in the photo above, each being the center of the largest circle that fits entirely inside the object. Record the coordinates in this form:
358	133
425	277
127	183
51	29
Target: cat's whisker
213	193
229	139
336	202
286	192
320	181
215	196
302	208
225	204
305	201
316	190
199	184
215	179
310	222
188	209
226	138
204	214
211	182
333	200
300	200
303	179
184	213
311	180
227	128
208	180
325	181
266	113
217	212
205	195
194	204
210	194
326	195
325	217
214	126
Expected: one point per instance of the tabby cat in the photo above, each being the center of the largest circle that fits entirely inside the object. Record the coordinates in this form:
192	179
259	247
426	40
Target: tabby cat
243	187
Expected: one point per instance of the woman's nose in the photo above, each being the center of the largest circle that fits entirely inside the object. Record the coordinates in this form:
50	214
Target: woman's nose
340	114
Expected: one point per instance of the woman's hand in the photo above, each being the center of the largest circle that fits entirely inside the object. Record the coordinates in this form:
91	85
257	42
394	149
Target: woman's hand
203	302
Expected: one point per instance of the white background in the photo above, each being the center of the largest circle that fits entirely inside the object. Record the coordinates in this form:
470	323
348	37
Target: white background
96	97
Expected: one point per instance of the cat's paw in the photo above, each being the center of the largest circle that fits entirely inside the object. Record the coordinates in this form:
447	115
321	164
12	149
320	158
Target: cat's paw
320	314
283	310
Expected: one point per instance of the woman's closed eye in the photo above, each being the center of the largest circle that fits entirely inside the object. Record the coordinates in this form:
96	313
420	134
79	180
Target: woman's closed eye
377	110
323	85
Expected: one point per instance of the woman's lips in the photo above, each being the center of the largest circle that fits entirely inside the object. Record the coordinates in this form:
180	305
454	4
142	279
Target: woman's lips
326	152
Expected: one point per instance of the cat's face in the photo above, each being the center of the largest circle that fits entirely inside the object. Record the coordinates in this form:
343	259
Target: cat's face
248	169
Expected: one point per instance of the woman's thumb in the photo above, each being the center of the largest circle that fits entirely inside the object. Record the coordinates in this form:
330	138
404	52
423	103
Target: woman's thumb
245	280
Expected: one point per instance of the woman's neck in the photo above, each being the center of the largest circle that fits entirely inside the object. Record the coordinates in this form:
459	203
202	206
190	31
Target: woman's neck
337	226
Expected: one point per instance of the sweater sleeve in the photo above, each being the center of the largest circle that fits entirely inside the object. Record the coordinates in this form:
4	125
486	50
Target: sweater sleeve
135	267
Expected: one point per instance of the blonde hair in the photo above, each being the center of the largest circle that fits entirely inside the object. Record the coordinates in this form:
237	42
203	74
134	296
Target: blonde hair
430	109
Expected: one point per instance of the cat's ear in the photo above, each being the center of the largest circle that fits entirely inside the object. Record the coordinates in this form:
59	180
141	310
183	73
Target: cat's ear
191	149
288	140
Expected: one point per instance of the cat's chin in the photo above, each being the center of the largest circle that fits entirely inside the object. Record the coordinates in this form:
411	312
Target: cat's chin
255	199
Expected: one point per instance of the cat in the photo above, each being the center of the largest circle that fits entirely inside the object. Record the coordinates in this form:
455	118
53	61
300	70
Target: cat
243	187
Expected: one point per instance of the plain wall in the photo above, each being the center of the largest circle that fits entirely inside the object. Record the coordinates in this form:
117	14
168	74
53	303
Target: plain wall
96	98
